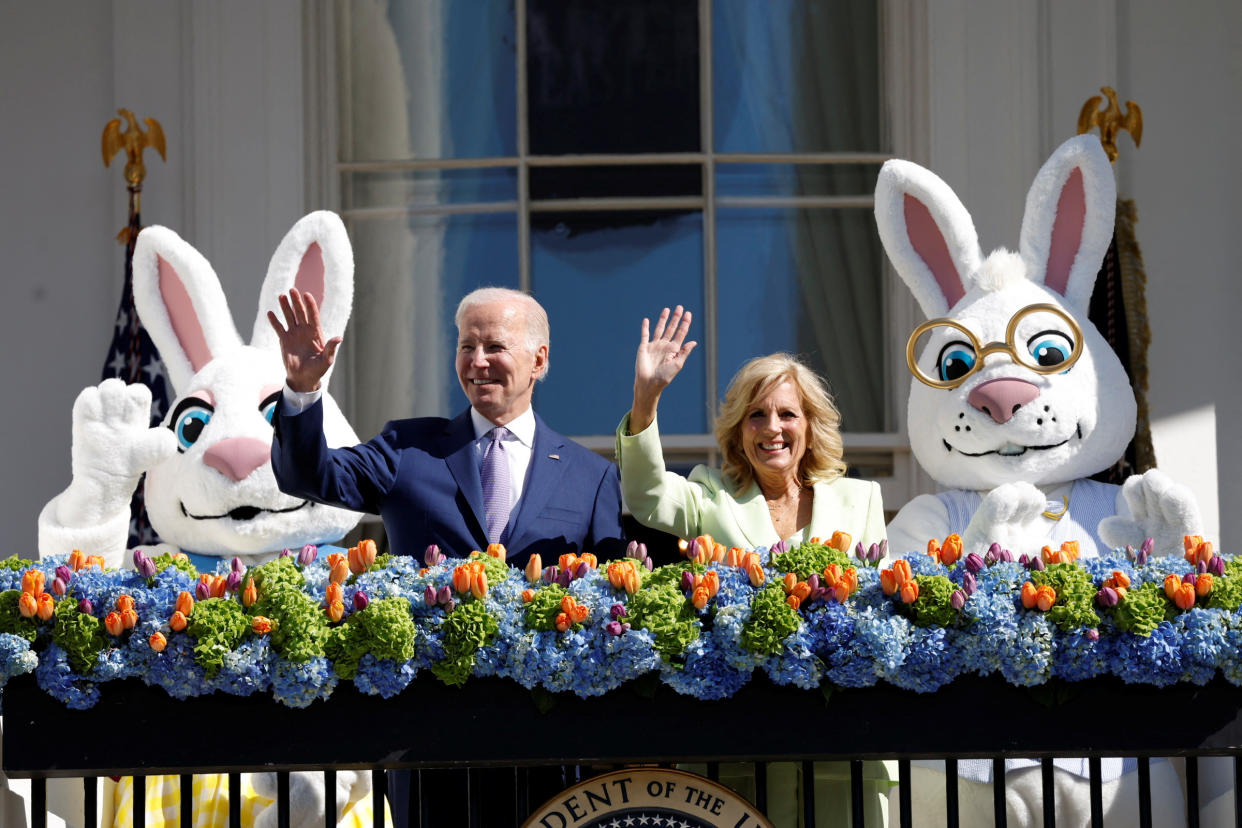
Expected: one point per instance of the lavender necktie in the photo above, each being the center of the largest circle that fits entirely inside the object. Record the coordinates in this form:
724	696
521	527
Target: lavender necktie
495	478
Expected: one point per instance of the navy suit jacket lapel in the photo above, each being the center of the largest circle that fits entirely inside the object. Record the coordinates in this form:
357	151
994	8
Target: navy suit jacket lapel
541	484
457	442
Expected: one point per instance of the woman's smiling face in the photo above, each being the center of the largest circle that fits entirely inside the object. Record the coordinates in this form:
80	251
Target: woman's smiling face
774	433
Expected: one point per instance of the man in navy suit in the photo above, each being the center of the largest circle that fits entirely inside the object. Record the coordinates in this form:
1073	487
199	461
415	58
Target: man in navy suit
425	476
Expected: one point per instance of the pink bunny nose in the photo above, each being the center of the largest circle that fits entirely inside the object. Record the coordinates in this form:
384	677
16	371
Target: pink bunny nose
1001	398
237	457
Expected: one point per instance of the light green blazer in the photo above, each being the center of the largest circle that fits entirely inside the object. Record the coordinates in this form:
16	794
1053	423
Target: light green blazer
704	504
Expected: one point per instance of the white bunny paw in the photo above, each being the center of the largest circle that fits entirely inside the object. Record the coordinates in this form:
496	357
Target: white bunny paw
1008	515
1152	505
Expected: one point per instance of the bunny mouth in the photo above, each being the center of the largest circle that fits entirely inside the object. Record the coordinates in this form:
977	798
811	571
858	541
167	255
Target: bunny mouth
1012	449
244	512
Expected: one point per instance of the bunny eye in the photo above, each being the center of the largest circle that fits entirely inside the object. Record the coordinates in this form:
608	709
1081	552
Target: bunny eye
189	420
268	406
955	361
1050	348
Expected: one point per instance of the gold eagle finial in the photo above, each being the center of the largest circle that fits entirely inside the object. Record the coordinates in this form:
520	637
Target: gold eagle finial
133	140
1110	120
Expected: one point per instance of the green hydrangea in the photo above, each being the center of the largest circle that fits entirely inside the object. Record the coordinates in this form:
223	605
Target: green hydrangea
385	629
1226	592
11	618
933	607
181	562
661	608
541	611
1142	610
80	634
1075	605
670	574
809	559
466	629
277	575
217	626
16	564
299	626
771	621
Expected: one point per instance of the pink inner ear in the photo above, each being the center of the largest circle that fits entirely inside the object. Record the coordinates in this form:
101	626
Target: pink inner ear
929	243
185	324
310	273
1066	233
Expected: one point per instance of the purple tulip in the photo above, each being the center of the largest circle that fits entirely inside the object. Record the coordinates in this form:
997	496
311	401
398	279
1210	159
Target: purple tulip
582	570
429	595
647	562
450	606
974	562
237	566
308	554
1216	566
550	574
139	557
1035	564
994	550
1025	560
64	573
59	587
202	592
687	581
564	577
444	595
631	549
361	600
1107	597
819	594
1093	634
233	582
860	551
642	552
617	611
692	548
881	550
957	600
614	628
1201	567
85	606
147	567
1190	578
778	548
432	556
1145	551
813	581
969	584
285	553
1130	553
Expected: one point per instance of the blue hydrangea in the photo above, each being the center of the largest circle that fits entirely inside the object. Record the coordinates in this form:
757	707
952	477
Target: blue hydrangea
299	685
384	677
1153	659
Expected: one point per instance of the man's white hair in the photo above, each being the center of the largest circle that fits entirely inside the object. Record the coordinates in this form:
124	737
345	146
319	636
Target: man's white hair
538	331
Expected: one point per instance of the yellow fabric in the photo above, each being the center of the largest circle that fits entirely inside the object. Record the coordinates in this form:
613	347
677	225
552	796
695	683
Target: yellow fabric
211	803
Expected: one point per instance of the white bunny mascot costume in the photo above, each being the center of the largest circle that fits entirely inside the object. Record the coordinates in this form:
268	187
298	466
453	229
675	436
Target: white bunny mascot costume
210	491
1016	400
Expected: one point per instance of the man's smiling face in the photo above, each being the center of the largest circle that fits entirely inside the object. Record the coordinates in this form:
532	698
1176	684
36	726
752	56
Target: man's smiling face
495	364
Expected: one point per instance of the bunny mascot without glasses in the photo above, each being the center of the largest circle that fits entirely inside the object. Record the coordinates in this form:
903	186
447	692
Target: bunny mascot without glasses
210	490
1016	399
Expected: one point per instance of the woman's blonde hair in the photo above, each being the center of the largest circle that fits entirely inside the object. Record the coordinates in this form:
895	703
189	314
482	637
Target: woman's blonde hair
825	450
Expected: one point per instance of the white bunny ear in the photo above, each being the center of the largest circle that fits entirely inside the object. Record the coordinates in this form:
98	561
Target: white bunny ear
181	304
316	258
1068	223
928	234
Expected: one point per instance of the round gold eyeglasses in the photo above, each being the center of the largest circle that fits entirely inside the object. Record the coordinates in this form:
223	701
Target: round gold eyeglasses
1050	351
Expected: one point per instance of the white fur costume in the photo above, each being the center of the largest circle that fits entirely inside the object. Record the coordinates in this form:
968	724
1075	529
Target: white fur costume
1009	443
210	489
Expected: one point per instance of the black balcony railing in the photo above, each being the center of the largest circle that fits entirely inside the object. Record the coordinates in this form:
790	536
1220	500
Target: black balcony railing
494	723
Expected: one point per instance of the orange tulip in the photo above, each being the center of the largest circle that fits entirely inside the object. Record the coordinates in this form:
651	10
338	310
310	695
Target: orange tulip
718	553
333	592
850	576
32	582
250	594
46	607
711	579
1045	597
841	541
77	560
568	561
700	597
334	558
909	592
1072	549
733	556
129	619
755	572
261	625
497	550
185	603
1171	585
336	611
1190	543
462	576
528	595
933	549
534	568
178	621
789	581
632	581
951	550
705	542
1028	595
888	581
1203	584
124	602
1185	596
590	559
563	621
1120	580
751	558
580	613
801	590
113	624
843	590
1197	549
478	586
340	572
794	602
28	605
814	539
158	642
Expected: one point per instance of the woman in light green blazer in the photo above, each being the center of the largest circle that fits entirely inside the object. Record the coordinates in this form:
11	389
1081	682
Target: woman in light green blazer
783	479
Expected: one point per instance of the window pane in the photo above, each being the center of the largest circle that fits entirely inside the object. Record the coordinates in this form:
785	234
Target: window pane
784	180
432	79
410	272
795	76
428	188
597	287
808	282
